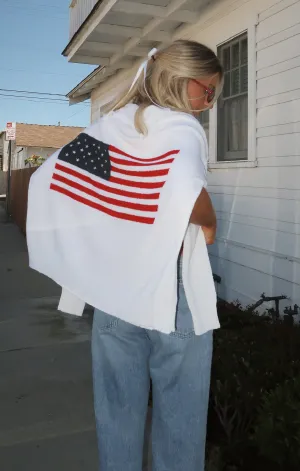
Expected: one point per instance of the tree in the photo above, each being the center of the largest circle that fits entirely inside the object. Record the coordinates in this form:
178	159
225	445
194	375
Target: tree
35	161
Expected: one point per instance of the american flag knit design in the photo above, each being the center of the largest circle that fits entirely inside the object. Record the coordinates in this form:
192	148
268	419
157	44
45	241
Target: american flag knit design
109	180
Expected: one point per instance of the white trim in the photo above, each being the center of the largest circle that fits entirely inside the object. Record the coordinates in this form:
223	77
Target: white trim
81	59
233	164
104	8
252	85
131	31
224	36
211	13
154	23
133	8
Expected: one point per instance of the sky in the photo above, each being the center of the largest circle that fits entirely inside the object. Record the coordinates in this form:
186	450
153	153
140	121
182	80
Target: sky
33	34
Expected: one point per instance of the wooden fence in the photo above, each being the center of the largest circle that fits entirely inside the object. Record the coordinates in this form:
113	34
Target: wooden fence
19	196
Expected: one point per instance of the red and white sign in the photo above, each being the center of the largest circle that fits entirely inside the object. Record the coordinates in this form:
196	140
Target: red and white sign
10	131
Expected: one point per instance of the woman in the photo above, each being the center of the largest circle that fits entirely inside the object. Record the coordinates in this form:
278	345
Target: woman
119	216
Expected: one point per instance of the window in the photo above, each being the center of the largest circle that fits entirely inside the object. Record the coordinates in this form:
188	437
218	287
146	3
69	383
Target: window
204	120
232	130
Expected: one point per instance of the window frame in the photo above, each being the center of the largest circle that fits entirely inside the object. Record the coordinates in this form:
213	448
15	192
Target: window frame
222	137
224	37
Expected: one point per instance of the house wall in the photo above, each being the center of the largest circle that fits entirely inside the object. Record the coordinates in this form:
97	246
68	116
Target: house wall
4	151
20	154
3	179
258	247
258	202
79	11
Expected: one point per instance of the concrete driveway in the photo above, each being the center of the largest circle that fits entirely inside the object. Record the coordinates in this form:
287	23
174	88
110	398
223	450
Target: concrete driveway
46	411
46	407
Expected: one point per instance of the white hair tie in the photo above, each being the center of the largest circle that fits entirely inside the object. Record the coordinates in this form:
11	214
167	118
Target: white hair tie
143	67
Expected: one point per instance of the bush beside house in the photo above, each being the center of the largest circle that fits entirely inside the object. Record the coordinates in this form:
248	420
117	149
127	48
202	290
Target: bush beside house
254	415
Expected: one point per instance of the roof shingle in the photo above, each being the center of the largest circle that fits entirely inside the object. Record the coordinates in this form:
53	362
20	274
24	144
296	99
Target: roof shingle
36	135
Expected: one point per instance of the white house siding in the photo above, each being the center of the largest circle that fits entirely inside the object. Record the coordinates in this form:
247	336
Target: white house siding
20	154
79	11
258	208
258	247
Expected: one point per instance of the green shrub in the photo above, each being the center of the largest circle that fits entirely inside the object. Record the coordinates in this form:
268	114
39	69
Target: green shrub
277	430
253	355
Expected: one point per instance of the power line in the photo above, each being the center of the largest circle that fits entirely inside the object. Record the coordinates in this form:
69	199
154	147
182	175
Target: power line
26	91
34	6
42	73
74	114
34	101
36	97
34	14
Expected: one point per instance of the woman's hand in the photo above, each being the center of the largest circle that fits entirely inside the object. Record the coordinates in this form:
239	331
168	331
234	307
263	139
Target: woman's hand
209	234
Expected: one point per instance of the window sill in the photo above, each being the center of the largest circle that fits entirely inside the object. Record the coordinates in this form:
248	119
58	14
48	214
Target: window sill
236	164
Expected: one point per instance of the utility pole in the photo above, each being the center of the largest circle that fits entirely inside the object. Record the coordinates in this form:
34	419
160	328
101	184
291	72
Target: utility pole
8	183
10	136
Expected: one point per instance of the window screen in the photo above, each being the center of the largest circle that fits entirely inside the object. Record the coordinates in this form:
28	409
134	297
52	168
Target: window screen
232	128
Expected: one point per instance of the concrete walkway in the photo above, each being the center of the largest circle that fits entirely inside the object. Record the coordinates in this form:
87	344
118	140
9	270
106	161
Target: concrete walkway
46	408
46	411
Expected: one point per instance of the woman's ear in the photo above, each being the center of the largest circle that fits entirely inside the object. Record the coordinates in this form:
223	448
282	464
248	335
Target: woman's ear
208	106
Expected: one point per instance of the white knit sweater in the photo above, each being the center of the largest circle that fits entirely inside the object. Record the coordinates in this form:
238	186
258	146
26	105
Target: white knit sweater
108	214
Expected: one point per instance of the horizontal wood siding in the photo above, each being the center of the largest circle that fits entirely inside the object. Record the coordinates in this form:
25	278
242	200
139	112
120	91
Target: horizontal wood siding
258	246
79	13
258	241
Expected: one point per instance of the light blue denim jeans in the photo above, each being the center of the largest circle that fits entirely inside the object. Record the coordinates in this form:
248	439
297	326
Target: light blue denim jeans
125	357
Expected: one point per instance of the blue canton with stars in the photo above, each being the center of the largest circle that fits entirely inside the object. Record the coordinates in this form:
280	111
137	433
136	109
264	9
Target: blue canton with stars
87	153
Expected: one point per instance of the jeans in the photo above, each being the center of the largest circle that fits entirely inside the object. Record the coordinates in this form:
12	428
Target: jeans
125	357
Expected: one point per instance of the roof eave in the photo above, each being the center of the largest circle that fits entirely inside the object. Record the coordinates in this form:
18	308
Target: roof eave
66	50
78	93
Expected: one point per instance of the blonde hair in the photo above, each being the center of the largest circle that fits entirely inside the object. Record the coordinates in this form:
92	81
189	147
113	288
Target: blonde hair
167	77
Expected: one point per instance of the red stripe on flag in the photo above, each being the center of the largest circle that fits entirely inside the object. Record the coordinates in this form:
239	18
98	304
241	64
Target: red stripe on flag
103	209
101	186
120	152
115	160
149	185
144	173
106	199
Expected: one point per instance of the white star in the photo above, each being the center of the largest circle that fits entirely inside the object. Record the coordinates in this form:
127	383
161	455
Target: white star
98	147
77	160
71	145
85	163
105	171
74	151
78	143
106	161
67	155
85	140
101	165
94	144
101	155
86	146
98	158
83	156
81	150
95	168
89	153
92	161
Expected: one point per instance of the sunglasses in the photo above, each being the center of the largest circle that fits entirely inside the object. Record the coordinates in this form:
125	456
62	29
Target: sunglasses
210	91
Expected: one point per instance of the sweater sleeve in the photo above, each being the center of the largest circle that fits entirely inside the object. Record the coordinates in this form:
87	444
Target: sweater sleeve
70	304
190	138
